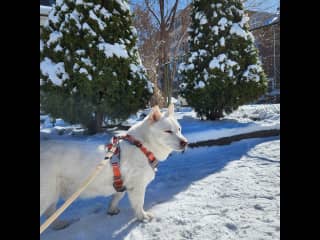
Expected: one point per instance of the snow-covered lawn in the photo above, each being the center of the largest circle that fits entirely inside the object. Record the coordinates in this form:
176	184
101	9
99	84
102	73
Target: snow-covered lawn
221	192
248	118
225	192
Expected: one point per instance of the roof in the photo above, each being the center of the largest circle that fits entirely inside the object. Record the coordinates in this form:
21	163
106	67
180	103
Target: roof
262	19
47	2
44	10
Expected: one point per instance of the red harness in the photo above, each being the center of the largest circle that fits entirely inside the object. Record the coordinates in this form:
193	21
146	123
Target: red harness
115	162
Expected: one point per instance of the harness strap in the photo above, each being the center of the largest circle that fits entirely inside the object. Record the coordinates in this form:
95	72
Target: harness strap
115	162
152	159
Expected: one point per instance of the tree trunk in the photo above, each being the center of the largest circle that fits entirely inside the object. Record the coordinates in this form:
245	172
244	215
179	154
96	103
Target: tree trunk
215	114
95	125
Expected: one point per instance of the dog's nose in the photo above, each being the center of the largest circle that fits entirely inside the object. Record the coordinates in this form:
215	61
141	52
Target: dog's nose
183	143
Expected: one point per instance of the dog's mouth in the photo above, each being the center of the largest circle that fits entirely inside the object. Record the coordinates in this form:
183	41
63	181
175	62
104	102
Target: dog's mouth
181	148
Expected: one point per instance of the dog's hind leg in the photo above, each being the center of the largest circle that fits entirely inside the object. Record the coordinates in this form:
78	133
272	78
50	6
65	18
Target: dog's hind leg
113	206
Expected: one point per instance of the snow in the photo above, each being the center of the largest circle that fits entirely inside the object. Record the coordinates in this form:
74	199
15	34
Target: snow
202	17
58	48
251	73
119	50
80	52
133	67
105	12
244	20
223	22
215	62
41	45
123	5
55	71
53	17
54	37
64	7
221	61
75	67
186	67
59	2
202	52
215	30
217	192
231	63
174	100
222	41
76	16
215	14
237	30
86	26
193	56
203	20
232	193
200	84
83	70
150	86
245	119
87	61
93	16
134	31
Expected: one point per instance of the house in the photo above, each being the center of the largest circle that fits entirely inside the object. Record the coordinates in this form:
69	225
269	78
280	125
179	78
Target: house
45	7
266	29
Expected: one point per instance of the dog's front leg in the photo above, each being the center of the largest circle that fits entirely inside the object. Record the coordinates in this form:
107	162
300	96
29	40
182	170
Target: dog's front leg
136	197
113	207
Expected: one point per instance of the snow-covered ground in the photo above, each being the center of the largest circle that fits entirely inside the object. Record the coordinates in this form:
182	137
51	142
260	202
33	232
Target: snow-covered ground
220	192
248	118
224	192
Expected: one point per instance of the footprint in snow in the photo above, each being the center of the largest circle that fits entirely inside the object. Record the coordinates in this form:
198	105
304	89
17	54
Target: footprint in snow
231	226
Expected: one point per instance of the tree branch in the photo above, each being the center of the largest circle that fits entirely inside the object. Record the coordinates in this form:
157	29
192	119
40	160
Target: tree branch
152	12
172	15
161	4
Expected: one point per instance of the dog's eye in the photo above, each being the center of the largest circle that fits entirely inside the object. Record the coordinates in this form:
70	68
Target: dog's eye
168	131
179	129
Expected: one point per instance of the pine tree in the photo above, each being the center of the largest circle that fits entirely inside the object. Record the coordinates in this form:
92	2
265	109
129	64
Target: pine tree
223	70
89	63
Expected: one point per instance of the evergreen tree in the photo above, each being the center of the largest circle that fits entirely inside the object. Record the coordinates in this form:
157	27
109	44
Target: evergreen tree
89	63
223	70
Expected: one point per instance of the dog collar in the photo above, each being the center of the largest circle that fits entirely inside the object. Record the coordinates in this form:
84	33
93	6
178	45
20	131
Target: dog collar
152	159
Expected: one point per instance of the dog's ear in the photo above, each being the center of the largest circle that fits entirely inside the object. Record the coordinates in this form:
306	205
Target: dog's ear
170	111
155	114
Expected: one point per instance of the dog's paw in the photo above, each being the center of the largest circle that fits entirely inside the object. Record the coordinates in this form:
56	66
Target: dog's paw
113	211
145	217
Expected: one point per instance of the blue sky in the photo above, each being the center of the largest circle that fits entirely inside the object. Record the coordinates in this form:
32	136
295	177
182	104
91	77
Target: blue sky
260	5
182	3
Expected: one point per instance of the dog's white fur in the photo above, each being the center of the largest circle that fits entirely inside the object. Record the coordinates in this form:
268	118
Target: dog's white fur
63	168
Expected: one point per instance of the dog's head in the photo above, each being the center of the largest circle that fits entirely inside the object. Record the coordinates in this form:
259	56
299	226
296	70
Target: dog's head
165	129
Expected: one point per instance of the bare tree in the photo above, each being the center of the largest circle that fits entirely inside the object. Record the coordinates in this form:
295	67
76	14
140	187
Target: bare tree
164	17
149	45
180	37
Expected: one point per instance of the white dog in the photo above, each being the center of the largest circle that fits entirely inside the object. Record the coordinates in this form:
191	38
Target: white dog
63	168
